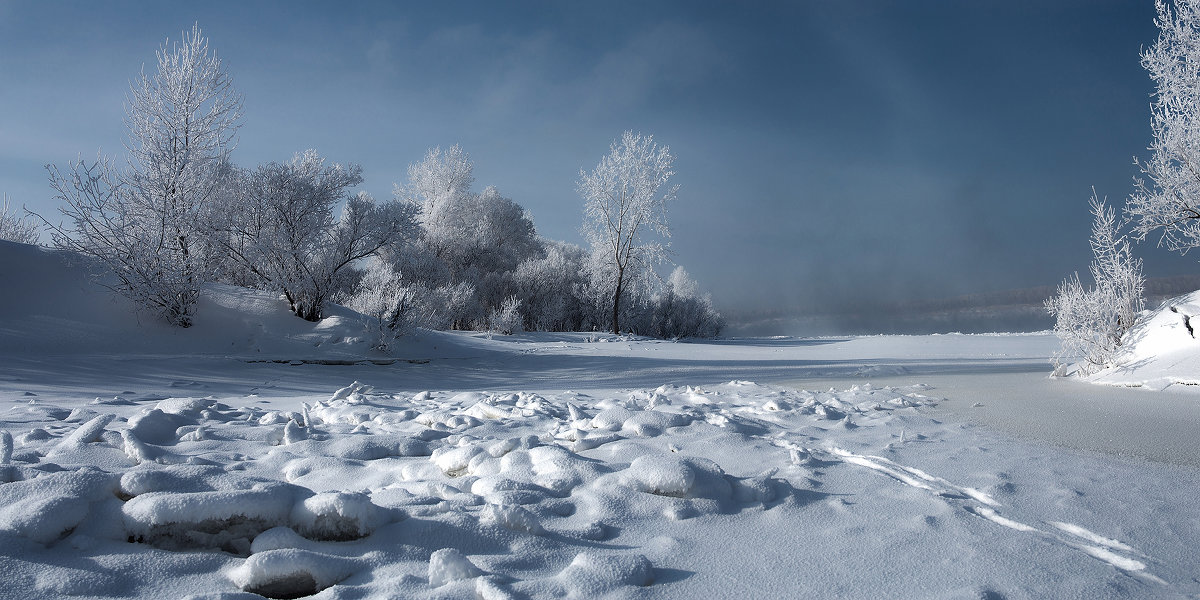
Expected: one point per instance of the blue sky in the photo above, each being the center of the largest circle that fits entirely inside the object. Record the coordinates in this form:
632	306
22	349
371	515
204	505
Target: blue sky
829	153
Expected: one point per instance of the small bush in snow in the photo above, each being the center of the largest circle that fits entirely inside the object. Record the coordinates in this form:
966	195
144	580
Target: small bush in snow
382	296
681	311
506	319
14	228
444	307
1092	322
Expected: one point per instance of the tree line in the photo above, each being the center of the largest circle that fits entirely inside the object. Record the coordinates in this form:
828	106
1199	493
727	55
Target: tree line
180	214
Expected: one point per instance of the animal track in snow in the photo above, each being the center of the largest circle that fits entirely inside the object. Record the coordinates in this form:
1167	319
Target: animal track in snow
914	477
1074	536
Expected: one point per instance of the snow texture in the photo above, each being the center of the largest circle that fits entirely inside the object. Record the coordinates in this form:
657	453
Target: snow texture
246	460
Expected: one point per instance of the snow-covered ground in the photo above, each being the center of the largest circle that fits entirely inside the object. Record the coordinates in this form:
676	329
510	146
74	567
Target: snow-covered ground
256	453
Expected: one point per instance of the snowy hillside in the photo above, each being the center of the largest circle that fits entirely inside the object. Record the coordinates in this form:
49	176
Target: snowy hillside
1161	351
53	305
255	454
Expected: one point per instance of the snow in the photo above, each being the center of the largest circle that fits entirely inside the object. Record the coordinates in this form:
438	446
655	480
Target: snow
1159	352
449	565
259	455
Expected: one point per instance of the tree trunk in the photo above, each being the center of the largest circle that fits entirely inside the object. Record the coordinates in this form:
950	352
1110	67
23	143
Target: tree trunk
617	301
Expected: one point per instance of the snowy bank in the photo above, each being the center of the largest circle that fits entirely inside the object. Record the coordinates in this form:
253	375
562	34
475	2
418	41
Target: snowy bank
1162	351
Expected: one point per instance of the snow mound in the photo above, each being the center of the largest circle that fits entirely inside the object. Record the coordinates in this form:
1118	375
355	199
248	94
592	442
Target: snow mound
1162	350
291	573
593	575
47	507
449	565
337	516
661	475
226	520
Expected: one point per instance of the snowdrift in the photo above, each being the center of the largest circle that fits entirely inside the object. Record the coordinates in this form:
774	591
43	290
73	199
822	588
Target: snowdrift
1162	350
54	304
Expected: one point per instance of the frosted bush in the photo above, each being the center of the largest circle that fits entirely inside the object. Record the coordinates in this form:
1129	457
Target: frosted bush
14	228
1091	322
389	305
506	319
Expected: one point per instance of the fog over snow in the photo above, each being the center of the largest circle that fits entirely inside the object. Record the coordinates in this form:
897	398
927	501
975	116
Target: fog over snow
823	148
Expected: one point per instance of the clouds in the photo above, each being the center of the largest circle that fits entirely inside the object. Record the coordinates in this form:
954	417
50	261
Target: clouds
825	150
672	56
498	73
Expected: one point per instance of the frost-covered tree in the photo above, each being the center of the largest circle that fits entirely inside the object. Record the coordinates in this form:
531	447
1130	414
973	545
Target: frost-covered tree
485	231
15	228
1092	322
382	296
549	288
1167	199
143	222
440	185
281	228
477	239
681	311
625	199
437	181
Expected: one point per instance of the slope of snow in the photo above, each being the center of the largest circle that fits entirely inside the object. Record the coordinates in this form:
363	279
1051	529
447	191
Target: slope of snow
258	455
54	305
1162	350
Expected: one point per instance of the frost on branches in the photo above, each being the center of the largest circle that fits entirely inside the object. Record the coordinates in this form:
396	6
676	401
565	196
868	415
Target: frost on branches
280	227
143	222
506	319
468	242
384	299
1092	322
1167	199
680	310
14	228
626	196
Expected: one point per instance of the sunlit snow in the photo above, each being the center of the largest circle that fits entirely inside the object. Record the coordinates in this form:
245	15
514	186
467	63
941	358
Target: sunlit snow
256	453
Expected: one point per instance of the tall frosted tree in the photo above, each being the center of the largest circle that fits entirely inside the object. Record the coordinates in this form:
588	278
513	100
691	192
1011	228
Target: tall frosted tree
1166	199
625	218
144	222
